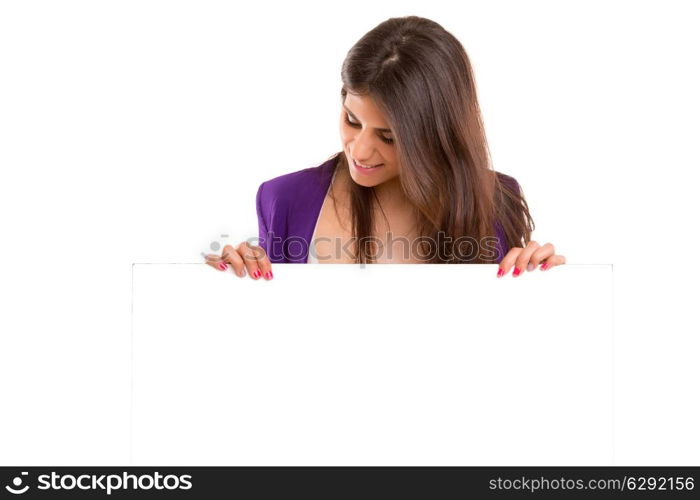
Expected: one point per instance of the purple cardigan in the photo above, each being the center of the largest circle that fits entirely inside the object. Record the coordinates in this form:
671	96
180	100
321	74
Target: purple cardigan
288	207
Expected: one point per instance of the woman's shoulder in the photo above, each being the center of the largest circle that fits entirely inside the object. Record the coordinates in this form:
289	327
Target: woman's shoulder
300	183
508	181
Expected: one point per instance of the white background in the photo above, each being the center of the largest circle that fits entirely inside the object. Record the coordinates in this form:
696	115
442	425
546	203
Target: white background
139	132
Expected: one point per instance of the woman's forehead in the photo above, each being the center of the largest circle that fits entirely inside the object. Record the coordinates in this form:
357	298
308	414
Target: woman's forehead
364	109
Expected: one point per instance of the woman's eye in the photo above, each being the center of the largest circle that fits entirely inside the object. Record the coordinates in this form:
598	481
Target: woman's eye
353	124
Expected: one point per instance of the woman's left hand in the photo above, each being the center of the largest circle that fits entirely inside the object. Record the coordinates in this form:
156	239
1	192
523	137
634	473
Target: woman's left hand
529	258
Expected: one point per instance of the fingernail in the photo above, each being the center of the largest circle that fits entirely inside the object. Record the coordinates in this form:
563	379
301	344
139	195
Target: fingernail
530	267
257	273
223	266
268	275
516	272
544	266
242	273
500	273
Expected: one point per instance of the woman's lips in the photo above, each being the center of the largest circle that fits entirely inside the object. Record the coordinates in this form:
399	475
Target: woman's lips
364	170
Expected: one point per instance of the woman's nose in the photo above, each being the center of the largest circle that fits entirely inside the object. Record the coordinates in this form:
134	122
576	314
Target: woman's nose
364	147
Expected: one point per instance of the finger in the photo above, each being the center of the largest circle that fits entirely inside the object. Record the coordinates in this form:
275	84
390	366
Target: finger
508	261
539	255
221	266
263	261
553	261
524	257
215	262
230	256
248	256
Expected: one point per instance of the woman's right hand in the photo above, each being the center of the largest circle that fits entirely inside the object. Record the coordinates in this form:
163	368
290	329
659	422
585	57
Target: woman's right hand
244	258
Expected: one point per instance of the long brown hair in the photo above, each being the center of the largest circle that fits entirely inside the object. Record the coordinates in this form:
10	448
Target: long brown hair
421	79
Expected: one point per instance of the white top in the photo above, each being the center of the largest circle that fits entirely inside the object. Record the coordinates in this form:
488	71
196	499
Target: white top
311	257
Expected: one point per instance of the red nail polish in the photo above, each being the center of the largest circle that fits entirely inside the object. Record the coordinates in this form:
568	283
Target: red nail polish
516	272
257	273
500	273
268	275
544	266
223	266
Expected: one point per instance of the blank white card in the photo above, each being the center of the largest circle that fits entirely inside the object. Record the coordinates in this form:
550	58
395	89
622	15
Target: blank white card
386	364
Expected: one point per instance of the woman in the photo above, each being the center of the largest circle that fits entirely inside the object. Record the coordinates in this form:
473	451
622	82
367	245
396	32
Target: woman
413	182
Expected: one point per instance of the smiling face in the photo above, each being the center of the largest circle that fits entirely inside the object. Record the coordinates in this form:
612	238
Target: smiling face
368	141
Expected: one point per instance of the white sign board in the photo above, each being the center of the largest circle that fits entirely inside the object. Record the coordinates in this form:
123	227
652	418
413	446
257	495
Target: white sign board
386	364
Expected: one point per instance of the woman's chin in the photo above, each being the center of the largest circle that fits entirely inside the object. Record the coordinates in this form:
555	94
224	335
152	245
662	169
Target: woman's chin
364	182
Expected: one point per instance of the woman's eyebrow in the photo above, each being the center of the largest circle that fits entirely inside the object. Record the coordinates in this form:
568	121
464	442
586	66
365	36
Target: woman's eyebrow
353	115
